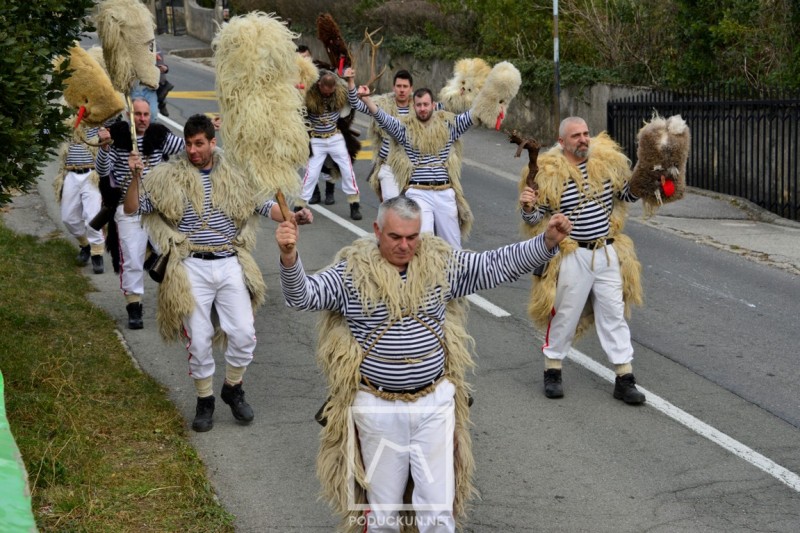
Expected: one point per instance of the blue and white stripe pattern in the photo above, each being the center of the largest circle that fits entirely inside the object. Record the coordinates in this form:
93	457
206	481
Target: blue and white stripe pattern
78	155
114	162
212	228
589	214
358	105
407	354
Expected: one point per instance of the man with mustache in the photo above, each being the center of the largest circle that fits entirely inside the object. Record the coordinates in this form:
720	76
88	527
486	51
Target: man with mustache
587	179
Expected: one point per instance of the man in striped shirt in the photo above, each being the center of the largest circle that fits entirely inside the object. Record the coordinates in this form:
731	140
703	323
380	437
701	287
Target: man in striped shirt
391	294
396	104
156	143
325	101
80	199
429	170
587	179
199	210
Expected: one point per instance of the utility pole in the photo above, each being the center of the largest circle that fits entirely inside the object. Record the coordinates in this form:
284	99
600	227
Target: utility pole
557	80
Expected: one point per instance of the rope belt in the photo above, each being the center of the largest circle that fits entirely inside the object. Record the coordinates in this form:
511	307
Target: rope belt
315	135
594	245
408	395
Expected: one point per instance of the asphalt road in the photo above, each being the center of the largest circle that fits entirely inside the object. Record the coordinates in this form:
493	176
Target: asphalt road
715	448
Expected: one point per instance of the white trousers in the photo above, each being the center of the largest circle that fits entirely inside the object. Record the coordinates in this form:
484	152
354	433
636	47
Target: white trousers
579	280
439	213
132	249
321	148
218	282
80	202
389	187
397	437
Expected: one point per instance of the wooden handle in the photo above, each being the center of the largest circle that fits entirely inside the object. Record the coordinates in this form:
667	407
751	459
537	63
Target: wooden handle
281	199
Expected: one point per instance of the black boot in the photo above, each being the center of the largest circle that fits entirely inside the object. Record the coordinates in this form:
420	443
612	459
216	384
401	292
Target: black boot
135	315
355	211
233	395
625	390
329	188
84	254
552	383
315	196
204	414
162	109
98	267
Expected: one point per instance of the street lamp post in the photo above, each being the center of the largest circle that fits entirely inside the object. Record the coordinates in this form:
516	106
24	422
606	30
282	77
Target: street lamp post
557	80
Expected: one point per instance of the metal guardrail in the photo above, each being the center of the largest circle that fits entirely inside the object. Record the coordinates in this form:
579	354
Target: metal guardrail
742	145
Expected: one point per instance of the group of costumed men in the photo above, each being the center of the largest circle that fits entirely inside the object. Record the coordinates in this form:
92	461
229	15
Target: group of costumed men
393	331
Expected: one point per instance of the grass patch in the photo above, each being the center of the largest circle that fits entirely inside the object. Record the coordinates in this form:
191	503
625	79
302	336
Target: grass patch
104	448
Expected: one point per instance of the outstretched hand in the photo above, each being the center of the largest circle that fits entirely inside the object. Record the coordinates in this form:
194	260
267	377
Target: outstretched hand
558	229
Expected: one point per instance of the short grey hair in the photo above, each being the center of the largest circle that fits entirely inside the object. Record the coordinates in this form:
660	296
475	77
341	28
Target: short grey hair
562	128
402	206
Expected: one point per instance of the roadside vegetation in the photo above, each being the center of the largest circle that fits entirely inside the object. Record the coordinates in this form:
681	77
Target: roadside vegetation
669	44
104	448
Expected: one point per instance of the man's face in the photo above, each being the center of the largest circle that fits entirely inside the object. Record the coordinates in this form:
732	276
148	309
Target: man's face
423	107
575	141
398	239
402	92
199	150
141	116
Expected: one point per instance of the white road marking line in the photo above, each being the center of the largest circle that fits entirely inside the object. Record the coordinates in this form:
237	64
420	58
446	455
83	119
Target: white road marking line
658	403
698	426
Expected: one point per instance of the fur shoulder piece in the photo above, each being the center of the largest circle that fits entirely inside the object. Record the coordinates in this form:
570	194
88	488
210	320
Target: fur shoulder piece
432	137
171	185
377	281
154	137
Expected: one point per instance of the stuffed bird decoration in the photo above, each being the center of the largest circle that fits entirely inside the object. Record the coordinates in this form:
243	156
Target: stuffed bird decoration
660	173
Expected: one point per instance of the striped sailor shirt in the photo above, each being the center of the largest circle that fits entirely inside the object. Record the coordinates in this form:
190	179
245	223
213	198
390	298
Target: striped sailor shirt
407	354
427	167
589	213
212	227
358	105
78	155
114	162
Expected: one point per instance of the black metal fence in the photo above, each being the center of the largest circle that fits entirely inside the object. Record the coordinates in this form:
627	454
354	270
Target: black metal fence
742	145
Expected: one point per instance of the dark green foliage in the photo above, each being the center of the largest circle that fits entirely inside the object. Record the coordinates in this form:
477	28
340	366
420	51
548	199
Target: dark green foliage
32	34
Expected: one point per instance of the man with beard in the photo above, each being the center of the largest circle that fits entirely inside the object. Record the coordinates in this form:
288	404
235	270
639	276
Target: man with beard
426	159
396	104
199	210
156	143
587	179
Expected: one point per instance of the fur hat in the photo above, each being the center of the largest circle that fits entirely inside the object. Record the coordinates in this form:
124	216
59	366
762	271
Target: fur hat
126	31
263	129
663	151
500	88
89	87
469	75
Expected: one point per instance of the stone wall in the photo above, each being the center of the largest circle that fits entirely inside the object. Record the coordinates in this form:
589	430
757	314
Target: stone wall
201	22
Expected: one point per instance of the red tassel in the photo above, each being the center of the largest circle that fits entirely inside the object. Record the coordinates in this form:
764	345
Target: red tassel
81	112
500	118
341	65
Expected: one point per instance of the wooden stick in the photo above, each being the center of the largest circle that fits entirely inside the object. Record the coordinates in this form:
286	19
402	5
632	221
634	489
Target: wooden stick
533	146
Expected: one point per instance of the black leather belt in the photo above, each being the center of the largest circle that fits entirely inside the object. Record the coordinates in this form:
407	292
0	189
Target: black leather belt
80	170
208	256
403	391
433	183
593	245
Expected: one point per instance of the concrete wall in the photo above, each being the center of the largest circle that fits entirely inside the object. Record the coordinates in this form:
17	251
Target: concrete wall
201	22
